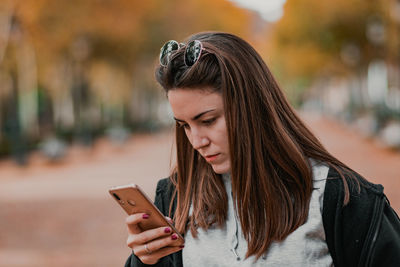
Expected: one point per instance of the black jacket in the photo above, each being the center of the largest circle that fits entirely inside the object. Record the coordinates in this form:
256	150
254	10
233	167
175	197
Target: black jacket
365	232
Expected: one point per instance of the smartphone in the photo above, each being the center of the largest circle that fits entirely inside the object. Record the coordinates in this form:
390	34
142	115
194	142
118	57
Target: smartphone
133	200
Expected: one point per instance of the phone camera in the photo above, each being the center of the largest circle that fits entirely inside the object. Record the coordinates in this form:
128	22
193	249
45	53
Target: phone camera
131	202
116	196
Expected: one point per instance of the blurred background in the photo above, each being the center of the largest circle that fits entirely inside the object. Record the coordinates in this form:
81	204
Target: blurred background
80	110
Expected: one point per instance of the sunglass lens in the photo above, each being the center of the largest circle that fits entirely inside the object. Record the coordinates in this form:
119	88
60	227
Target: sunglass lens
192	52
166	51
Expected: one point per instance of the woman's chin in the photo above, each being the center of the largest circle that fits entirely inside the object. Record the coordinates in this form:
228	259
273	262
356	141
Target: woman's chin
221	169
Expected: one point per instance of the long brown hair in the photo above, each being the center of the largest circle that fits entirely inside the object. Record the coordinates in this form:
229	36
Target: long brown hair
270	146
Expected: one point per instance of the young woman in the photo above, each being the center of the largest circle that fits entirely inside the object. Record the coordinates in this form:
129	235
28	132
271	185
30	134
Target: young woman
252	185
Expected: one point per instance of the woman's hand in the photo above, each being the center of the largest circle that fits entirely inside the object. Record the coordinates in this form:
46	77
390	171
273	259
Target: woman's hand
151	245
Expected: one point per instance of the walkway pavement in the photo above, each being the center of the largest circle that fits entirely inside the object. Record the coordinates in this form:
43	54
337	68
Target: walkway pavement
368	157
61	214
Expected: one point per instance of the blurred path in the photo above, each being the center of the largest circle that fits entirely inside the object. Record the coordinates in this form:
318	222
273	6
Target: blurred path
366	156
61	214
89	172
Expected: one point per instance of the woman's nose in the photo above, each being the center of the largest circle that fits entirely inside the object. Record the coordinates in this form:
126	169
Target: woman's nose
199	141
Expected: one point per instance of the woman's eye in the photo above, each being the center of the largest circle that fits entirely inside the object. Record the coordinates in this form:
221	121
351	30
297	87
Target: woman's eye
208	122
184	125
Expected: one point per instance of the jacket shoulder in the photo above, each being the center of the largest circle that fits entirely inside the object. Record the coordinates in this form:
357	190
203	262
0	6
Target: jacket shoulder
164	185
358	186
350	228
164	194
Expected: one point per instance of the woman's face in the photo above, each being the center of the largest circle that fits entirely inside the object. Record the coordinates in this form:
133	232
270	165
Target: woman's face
201	114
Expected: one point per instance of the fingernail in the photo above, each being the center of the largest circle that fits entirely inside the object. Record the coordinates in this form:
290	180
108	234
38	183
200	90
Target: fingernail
174	237
181	246
145	216
167	230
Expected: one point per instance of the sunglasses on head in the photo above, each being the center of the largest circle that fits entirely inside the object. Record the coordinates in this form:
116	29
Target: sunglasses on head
192	52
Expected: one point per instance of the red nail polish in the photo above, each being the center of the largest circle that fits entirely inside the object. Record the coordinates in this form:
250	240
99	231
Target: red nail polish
167	230
174	237
145	216
181	246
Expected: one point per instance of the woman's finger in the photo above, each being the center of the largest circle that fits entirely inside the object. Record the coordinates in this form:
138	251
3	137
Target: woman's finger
149	235
154	256
133	220
158	244
169	219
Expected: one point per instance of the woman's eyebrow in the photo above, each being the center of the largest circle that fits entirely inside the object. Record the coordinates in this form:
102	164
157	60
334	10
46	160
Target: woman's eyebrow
195	117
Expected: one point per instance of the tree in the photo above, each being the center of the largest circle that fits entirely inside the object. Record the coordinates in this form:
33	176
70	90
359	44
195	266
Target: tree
317	38
93	56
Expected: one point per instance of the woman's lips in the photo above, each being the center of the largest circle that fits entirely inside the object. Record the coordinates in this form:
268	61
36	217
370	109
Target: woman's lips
211	158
